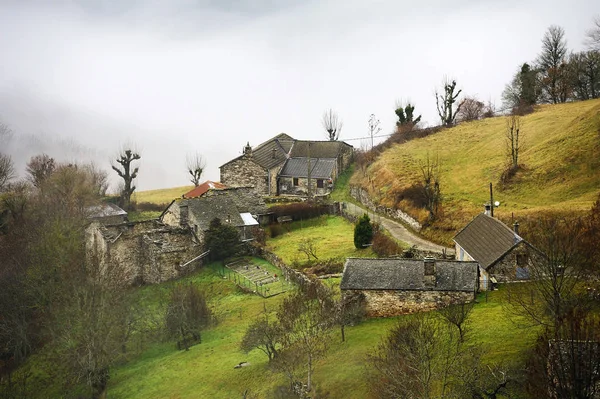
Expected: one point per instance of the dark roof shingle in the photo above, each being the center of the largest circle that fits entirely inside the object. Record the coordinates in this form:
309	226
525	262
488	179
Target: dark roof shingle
407	274
486	239
318	149
298	167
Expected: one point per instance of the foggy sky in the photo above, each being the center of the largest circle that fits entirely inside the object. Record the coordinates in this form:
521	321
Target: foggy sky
179	76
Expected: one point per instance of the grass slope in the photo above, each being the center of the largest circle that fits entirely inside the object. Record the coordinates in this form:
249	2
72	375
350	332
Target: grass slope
561	158
160	196
333	237
206	371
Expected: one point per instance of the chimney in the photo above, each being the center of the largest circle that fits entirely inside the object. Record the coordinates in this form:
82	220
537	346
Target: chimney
516	227
488	209
248	150
429	268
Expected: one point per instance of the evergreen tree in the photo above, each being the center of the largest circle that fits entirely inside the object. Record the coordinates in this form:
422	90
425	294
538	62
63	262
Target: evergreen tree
363	232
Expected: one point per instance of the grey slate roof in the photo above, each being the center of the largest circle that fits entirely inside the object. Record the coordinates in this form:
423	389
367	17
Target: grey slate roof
244	198
271	153
407	274
105	209
486	239
321	168
205	209
318	149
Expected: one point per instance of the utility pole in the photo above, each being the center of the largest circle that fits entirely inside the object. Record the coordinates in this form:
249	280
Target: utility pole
308	173
491	200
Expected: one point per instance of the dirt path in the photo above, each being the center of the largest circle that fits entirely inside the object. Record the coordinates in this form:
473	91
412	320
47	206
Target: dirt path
397	230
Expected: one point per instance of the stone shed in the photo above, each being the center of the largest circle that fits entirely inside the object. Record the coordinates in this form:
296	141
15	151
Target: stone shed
294	177
106	213
147	252
501	252
394	287
236	206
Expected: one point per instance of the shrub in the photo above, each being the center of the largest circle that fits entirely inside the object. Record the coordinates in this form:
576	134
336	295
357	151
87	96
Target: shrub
363	232
149	206
300	210
385	246
275	230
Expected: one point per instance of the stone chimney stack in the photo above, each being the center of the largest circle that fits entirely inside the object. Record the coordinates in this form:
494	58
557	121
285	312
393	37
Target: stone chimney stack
429	268
488	209
516	227
248	150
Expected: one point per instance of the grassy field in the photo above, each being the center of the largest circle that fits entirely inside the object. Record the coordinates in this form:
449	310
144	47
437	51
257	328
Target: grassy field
206	371
160	196
333	237
560	158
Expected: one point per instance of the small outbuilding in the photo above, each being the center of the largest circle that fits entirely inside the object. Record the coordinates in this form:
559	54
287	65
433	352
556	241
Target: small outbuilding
502	253
394	287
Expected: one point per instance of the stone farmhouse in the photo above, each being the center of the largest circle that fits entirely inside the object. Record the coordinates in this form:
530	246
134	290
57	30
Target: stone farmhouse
393	287
286	166
501	253
236	206
203	188
144	252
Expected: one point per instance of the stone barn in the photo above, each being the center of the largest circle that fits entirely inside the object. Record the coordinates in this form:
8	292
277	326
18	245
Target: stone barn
236	206
394	287
106	213
501	252
145	252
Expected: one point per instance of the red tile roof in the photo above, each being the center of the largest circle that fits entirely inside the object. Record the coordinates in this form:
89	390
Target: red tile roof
203	188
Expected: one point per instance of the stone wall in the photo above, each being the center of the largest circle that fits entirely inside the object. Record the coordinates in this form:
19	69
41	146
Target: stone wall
388	303
505	270
245	172
286	187
362	196
147	252
345	158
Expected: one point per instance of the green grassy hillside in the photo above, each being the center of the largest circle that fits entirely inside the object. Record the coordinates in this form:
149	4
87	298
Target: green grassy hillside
560	158
160	196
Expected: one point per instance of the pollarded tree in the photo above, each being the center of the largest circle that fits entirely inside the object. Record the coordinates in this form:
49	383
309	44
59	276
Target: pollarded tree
195	166
332	124
128	173
363	232
445	103
405	114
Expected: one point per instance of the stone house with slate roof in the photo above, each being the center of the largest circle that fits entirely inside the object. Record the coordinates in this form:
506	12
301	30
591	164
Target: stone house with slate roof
393	287
503	255
236	206
280	166
106	213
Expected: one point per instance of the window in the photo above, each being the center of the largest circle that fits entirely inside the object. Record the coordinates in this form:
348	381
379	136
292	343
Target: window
521	260
320	183
295	179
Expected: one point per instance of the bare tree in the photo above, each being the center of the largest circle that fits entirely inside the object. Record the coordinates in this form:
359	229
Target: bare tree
195	165
374	127
430	170
552	65
263	334
306	317
129	172
39	168
187	313
593	35
309	248
471	109
513	141
332	124
445	103
457	316
7	171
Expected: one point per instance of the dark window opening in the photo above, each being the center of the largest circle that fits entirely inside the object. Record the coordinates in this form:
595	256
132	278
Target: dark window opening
521	260
320	183
295	180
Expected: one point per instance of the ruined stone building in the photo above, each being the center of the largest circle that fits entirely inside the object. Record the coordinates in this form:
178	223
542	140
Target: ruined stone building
106	213
393	287
145	252
284	166
236	206
502	254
